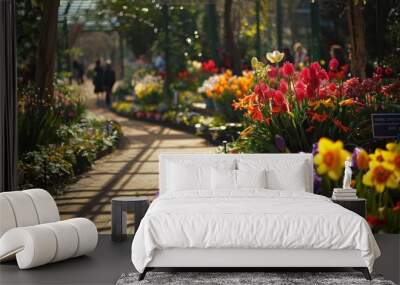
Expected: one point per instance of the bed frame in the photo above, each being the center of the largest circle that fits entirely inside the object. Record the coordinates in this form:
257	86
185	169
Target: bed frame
243	259
246	258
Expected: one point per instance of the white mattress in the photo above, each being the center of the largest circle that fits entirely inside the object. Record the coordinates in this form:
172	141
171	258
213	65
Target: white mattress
254	219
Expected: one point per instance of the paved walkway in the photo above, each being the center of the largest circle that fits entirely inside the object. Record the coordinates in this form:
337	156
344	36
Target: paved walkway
129	171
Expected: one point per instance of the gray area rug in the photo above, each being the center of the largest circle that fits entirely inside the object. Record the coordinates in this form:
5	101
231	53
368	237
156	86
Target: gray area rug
243	278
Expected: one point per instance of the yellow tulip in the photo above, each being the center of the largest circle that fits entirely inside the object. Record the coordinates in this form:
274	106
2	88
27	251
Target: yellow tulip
275	56
254	62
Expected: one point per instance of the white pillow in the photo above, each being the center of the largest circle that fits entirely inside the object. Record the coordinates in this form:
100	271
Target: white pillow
288	174
193	174
251	179
225	179
295	179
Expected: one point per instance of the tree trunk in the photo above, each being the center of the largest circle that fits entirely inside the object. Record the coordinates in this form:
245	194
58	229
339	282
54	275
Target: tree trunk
258	33
232	57
355	18
212	31
279	25
167	79
47	50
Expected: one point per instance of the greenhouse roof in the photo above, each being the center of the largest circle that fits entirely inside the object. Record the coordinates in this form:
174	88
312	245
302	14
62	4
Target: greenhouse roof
83	12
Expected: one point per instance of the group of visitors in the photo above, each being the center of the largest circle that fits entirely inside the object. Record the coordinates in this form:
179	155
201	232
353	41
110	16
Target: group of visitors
103	80
300	56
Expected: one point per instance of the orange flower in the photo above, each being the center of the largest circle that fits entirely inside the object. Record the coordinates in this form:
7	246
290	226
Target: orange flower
347	102
310	129
246	132
318	117
362	158
340	126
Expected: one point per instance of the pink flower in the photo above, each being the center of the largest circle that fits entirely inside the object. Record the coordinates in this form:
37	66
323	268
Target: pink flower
287	69
333	64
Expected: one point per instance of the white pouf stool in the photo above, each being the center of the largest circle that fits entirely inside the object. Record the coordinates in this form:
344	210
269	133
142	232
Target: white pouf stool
31	230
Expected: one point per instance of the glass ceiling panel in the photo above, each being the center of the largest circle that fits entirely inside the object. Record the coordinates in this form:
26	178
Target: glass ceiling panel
76	10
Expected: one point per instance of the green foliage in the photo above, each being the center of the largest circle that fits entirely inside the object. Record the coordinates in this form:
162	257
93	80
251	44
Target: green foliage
39	121
28	18
54	165
146	21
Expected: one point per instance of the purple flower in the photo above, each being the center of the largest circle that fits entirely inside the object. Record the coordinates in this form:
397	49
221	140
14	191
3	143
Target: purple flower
354	157
317	183
314	149
280	143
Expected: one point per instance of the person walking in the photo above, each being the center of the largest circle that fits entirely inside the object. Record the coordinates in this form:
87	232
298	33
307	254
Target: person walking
98	79
109	80
300	55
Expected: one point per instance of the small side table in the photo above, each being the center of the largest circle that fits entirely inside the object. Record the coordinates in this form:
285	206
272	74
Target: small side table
358	205
120	206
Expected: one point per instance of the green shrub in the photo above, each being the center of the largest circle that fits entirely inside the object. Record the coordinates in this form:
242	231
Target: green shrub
52	166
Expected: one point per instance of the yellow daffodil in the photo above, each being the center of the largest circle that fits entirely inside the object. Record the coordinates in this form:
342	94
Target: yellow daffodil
275	56
395	147
380	176
330	158
392	155
377	155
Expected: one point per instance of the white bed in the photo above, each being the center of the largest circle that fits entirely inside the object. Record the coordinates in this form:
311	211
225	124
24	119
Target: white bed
198	222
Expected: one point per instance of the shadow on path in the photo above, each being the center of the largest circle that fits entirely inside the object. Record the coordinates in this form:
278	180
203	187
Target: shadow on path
129	171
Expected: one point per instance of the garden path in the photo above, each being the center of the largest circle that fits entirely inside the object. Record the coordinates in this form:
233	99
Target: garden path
131	170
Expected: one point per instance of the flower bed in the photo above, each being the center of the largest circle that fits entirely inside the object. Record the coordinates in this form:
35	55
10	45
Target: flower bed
213	129
376	178
223	89
52	166
320	111
303	106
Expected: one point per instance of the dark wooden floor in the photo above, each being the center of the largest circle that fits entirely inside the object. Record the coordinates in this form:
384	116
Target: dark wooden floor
110	259
103	266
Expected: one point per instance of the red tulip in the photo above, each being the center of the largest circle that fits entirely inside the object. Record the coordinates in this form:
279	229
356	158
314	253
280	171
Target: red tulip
287	69
283	86
300	89
272	72
333	64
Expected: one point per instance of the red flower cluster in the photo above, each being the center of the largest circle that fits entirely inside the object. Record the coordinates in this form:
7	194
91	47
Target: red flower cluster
183	74
352	88
312	77
374	221
383	72
209	66
284	90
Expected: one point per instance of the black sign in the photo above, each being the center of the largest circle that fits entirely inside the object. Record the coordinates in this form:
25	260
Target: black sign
386	126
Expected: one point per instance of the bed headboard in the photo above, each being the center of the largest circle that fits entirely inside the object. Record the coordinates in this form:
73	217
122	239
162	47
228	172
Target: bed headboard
268	158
